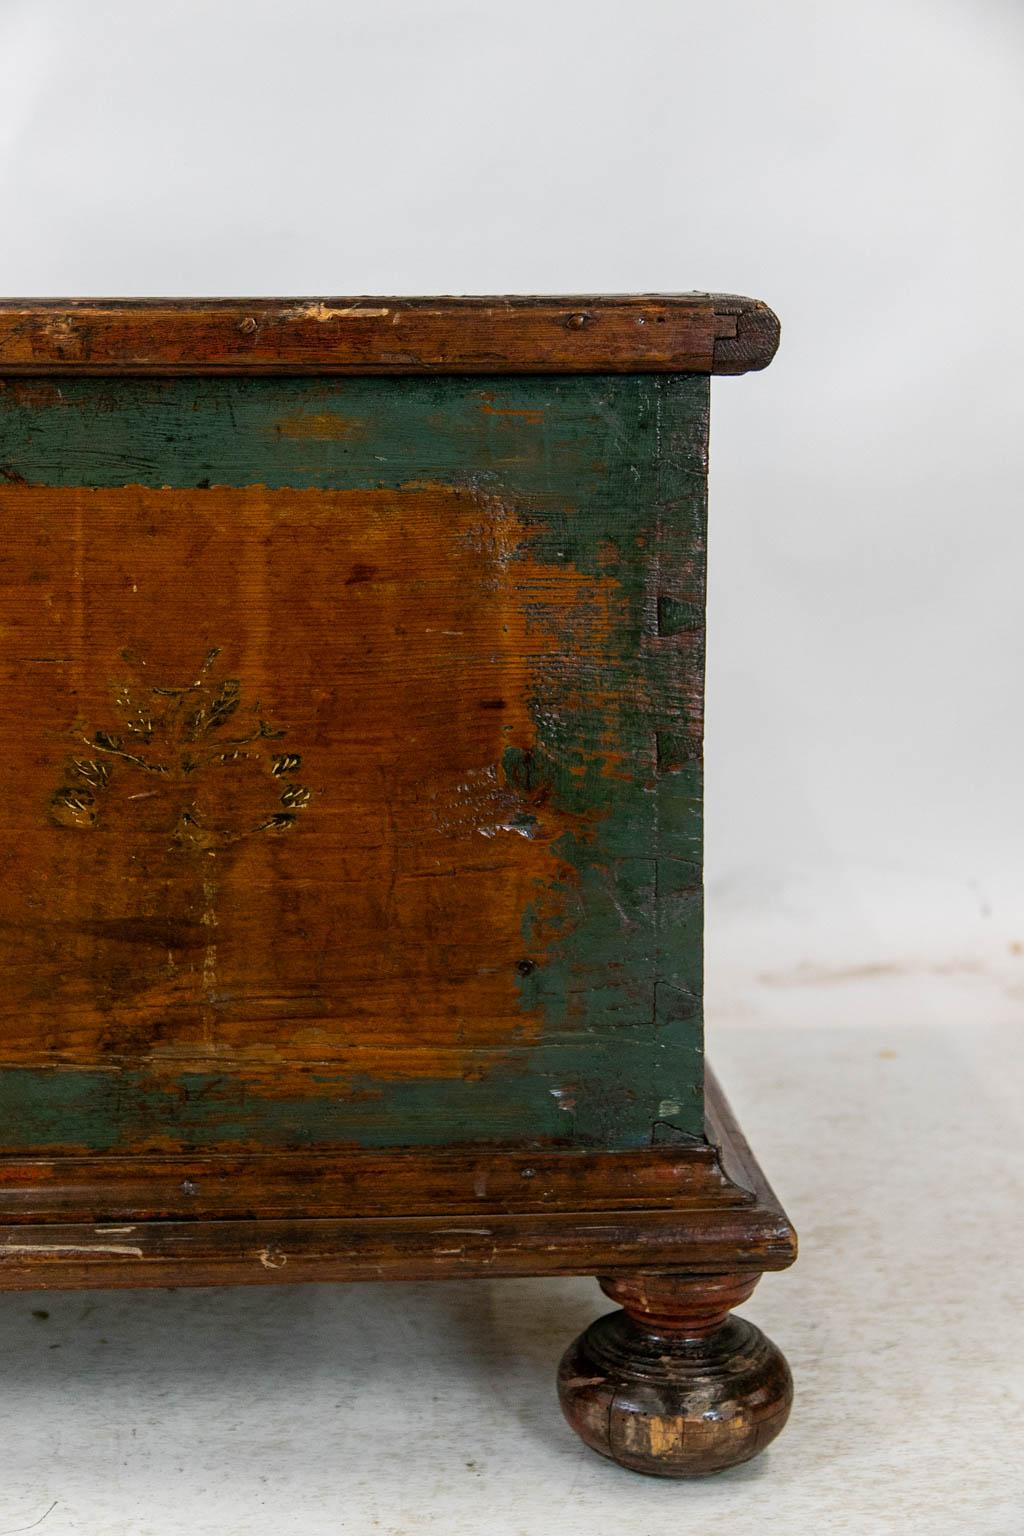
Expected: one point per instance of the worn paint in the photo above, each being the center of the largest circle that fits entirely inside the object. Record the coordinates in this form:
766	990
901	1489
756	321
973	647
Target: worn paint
322	426
599	489
323	312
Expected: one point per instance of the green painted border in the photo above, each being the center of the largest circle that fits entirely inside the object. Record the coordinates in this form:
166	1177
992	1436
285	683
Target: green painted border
611	472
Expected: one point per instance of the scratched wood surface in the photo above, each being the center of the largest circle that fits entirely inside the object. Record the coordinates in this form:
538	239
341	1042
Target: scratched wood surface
702	1207
352	762
637	333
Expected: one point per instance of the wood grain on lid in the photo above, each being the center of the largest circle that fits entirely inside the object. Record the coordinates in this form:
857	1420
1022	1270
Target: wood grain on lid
685	333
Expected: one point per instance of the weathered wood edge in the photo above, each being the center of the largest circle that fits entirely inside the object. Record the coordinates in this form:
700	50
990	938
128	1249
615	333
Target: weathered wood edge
735	1157
225	1186
643	333
726	1219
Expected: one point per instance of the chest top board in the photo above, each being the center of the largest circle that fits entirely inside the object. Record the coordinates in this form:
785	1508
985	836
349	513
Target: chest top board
352	680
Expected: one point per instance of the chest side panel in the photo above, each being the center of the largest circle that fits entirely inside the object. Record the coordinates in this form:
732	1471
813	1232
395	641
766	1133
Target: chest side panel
351	763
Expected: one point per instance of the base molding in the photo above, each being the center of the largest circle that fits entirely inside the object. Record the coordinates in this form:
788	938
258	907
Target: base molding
671	1384
700	1206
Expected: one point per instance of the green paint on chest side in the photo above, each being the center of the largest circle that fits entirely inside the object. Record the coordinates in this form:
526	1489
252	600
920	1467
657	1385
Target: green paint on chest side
609	473
539	1102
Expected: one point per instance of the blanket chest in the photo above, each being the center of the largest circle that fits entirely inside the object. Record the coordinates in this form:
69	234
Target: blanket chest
350	904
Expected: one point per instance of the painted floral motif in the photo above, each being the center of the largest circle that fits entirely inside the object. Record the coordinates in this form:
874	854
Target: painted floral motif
196	761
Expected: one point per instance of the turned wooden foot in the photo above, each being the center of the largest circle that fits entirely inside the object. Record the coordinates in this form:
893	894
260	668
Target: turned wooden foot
673	1385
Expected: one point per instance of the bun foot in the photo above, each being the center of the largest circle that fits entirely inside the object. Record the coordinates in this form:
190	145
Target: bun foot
672	1385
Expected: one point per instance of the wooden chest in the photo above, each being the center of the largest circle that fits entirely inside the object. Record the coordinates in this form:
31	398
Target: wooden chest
350	905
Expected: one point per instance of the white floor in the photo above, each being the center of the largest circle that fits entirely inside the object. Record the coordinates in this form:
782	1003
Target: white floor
884	1100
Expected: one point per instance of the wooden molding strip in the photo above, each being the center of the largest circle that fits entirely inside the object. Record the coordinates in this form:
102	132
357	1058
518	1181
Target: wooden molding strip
708	1208
652	333
410	1248
294	1186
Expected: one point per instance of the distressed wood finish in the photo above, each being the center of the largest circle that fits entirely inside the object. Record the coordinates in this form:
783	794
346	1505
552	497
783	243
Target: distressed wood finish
392	1182
658	333
392	836
566	1213
351	893
672	1385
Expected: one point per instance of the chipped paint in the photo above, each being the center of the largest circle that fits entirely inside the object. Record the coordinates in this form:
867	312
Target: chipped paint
272	1258
321	426
532	416
7	1247
324	312
609	494
656	1435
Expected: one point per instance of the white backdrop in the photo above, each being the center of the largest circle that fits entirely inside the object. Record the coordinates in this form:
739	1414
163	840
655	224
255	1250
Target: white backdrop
857	166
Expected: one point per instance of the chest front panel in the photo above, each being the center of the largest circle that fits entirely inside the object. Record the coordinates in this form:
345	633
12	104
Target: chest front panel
351	771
